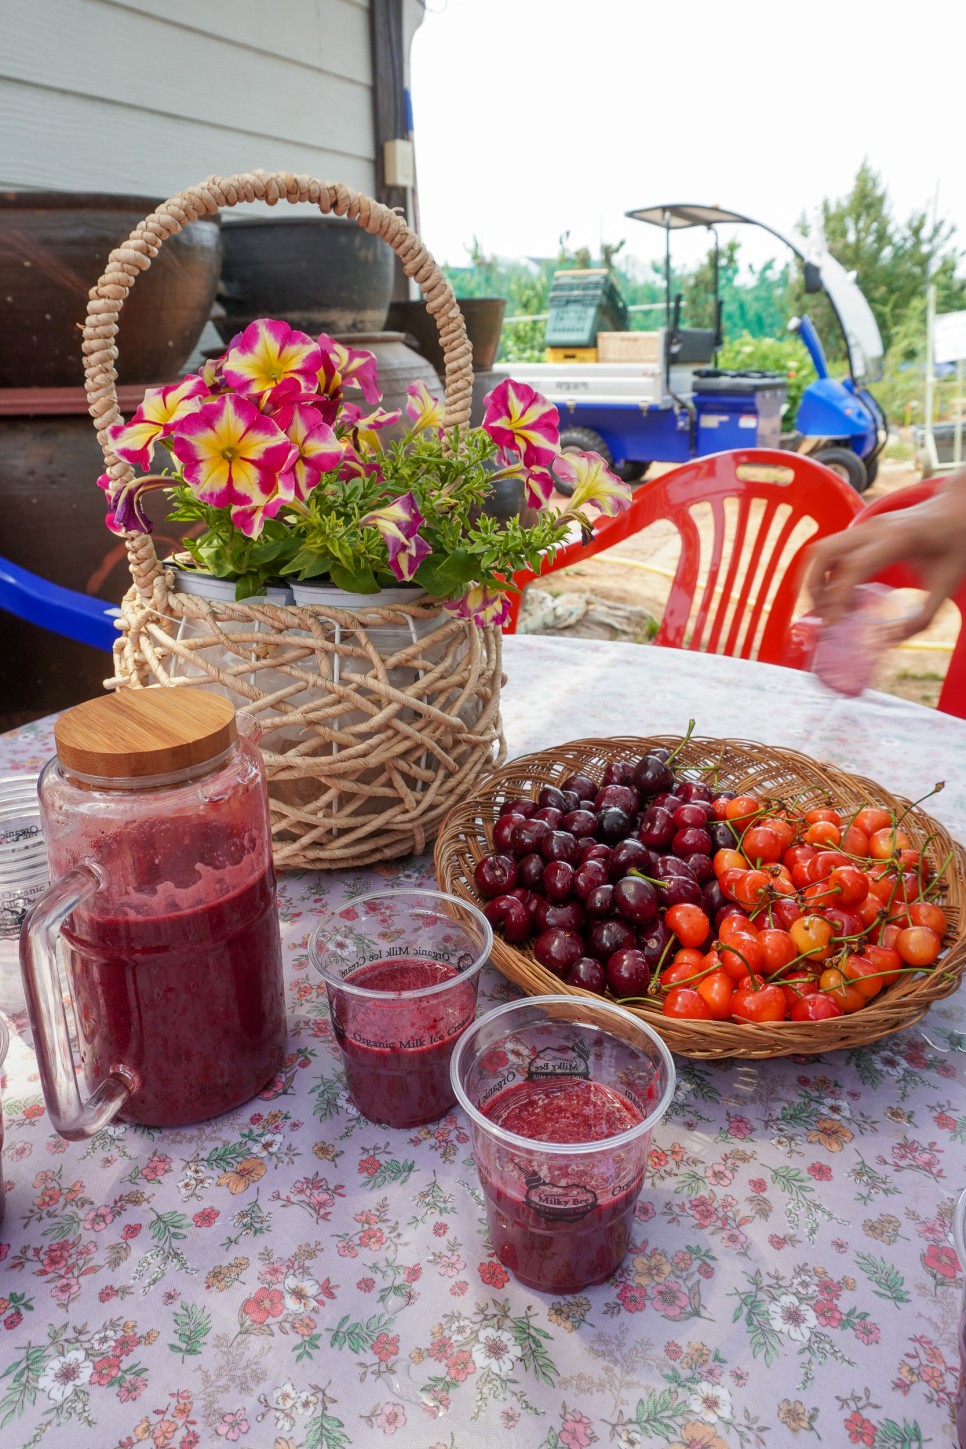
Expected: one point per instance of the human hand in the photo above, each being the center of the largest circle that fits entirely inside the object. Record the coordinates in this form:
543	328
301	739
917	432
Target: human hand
930	537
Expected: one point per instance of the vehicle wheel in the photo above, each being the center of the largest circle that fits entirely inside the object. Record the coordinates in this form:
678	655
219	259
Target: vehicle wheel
631	472
846	464
582	440
871	471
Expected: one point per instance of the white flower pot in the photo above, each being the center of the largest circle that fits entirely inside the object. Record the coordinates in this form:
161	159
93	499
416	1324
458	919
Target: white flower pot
220	591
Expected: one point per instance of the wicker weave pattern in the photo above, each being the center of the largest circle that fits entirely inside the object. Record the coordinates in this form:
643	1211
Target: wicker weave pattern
369	765
467	835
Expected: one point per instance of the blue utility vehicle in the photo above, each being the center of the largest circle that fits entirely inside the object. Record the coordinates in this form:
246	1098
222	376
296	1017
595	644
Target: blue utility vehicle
641	397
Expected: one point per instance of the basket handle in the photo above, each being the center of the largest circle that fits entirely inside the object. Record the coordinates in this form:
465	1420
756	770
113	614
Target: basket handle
136	253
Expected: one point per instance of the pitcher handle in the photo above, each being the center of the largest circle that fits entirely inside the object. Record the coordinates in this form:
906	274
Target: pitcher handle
70	1116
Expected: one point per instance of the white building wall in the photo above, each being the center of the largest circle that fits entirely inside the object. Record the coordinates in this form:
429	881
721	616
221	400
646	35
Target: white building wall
150	96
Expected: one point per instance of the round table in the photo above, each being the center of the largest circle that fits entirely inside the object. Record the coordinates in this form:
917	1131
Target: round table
291	1276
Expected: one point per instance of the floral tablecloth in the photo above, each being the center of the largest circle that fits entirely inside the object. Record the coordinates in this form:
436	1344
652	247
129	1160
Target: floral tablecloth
293	1277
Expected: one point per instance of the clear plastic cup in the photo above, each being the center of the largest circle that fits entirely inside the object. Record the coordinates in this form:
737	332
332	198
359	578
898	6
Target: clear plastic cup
959	1238
848	652
23	877
562	1094
401	971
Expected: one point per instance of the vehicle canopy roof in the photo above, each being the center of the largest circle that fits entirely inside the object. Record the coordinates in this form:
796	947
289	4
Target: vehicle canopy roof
855	317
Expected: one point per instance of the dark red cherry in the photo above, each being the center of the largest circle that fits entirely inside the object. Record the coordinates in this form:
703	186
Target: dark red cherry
599	902
629	855
571	916
613	825
617	772
530	871
550	817
702	867
580	822
495	875
606	937
510	917
656	829
588	877
581	785
714	897
694	790
651	776
558	949
527	836
653	941
721	835
558	881
679	892
559	845
618	797
691	841
628	973
672	865
551	796
684	817
526	808
503	831
636	900
588	849
589	974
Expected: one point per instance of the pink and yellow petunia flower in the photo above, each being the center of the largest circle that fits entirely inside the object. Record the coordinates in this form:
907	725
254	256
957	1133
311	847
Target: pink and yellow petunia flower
234	457
422	409
318	449
481	604
595	486
538	482
250	519
366	427
518	418
160	408
268	353
399	523
342	366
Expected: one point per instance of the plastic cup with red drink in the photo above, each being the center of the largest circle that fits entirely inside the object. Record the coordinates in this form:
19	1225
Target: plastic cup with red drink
562	1095
848	652
401	971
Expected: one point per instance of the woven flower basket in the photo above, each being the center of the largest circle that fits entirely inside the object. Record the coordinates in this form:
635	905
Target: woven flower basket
375	721
748	768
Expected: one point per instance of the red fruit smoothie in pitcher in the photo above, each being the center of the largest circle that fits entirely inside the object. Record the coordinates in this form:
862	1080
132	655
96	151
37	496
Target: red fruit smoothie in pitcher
397	1052
564	1235
189	1003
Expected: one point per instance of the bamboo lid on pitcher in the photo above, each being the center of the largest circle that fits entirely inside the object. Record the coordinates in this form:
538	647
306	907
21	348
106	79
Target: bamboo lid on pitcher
139	732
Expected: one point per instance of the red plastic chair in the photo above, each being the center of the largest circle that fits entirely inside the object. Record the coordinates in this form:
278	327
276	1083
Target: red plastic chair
952	696
751	576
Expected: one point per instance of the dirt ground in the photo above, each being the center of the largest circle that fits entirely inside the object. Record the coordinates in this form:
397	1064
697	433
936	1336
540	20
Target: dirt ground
621	594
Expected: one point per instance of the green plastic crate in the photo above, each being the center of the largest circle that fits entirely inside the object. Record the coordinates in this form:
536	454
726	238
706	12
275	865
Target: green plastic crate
583	303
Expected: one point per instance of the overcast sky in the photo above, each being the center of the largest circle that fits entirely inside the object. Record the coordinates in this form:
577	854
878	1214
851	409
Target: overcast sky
535	117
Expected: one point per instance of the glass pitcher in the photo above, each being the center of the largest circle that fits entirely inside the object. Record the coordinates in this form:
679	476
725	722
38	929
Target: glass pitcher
155	816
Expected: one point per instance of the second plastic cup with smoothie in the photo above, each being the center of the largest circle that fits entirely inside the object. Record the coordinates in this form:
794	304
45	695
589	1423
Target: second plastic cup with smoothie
562	1095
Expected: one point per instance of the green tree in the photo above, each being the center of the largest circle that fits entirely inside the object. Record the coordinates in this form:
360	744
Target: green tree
893	261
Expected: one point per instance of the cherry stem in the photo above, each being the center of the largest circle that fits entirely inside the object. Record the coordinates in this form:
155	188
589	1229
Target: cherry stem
680	747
